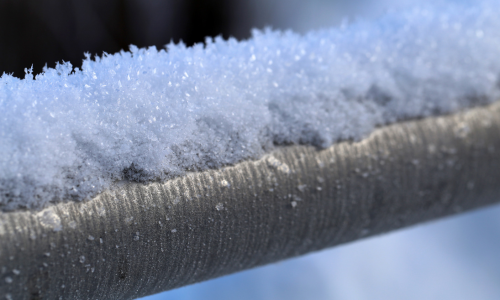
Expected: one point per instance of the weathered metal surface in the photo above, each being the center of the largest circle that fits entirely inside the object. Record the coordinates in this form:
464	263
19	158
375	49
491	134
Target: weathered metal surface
142	239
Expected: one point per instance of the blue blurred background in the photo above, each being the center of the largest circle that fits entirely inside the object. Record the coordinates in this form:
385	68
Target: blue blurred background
455	258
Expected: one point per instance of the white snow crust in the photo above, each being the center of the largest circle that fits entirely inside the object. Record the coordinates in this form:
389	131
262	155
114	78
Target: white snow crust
153	114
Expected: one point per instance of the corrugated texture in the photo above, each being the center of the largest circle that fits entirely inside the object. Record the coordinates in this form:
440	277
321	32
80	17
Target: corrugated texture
142	239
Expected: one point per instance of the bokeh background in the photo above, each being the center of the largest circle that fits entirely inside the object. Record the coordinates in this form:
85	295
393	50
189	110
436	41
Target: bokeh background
39	32
455	258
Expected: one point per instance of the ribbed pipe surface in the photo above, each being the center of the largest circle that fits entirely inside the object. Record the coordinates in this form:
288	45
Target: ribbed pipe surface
142	239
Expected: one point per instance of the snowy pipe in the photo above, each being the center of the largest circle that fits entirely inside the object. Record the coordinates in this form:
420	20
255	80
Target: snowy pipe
295	200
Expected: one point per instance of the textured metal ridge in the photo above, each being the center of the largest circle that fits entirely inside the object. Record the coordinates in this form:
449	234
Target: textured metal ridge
139	239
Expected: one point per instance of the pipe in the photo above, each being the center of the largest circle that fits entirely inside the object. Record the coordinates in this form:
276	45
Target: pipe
140	239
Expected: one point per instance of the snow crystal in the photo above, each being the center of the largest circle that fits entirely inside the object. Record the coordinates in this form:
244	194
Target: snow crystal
49	218
302	187
72	224
153	114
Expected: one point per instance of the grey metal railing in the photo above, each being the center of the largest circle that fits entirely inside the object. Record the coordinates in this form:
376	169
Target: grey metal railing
139	239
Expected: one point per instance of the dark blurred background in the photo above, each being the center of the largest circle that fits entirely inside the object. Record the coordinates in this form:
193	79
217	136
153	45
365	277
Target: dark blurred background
36	32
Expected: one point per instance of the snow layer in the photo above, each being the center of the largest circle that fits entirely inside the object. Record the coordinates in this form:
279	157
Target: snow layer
150	115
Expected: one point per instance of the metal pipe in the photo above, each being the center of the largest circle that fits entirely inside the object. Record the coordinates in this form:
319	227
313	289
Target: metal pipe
140	239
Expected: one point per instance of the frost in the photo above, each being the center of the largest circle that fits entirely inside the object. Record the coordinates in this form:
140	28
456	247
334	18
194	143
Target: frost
69	134
278	165
302	187
101	212
72	224
49	218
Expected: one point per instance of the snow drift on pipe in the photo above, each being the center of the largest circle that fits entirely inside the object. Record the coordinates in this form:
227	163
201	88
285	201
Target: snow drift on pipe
144	238
150	115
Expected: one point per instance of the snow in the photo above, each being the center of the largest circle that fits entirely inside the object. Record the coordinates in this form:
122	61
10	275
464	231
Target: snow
153	114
